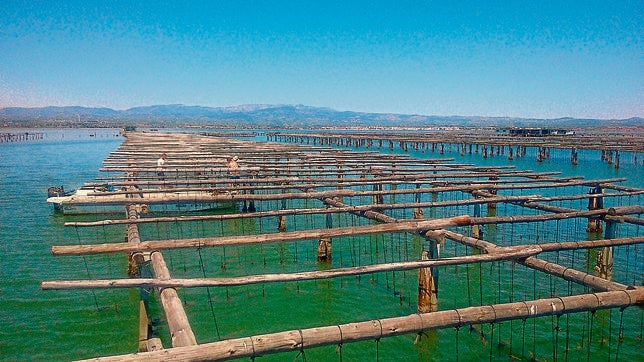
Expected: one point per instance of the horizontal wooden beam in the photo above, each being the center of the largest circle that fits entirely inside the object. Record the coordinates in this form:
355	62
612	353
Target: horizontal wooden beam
406	226
300	339
509	253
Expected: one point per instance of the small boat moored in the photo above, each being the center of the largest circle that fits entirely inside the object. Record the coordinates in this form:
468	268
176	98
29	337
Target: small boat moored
108	200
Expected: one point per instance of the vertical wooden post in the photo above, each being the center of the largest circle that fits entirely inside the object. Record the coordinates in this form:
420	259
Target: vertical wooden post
281	222
616	159
324	249
139	266
418	212
178	324
604	267
428	280
427	301
492	205
324	244
573	156
595	203
476	229
392	186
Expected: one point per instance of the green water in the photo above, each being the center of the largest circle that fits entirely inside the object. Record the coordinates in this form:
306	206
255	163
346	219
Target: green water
66	325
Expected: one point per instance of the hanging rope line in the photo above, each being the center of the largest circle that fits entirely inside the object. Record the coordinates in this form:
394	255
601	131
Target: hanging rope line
89	276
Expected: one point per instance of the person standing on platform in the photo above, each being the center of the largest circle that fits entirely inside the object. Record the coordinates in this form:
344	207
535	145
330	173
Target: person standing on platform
161	167
233	167
233	170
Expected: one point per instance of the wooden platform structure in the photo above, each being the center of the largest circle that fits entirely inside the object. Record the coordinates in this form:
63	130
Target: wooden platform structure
436	200
486	142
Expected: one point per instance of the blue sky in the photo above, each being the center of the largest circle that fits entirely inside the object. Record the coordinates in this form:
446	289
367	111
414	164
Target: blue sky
541	59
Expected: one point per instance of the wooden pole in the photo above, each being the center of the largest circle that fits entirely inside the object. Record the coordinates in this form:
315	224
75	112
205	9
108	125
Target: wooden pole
476	228
595	203
404	226
528	200
427	297
324	249
298	340
573	275
138	266
178	324
604	267
506	253
552	268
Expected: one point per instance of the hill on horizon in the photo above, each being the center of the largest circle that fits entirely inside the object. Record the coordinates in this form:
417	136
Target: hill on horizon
265	115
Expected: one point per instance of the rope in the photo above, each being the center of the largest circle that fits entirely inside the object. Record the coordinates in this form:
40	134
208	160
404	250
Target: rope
378	341
492	336
620	333
301	346
590	333
523	339
212	309
89	276
252	344
557	329
555	348
457	330
339	349
610	332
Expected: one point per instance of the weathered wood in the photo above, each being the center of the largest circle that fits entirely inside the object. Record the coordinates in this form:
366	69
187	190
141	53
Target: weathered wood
294	340
427	300
400	226
143	327
508	253
590	244
341	208
407	226
624	210
571	274
170	197
474	136
325	249
357	209
190	196
178	324
552	268
626	219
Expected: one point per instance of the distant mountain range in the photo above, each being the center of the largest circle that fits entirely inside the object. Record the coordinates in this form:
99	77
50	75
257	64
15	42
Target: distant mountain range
264	115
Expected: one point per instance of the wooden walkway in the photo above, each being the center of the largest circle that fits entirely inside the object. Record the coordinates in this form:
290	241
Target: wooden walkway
435	199
484	142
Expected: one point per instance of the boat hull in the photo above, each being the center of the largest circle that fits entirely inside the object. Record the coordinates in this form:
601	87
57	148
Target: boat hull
154	209
86	201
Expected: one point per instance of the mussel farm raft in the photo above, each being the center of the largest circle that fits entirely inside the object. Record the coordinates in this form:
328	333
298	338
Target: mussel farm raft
318	251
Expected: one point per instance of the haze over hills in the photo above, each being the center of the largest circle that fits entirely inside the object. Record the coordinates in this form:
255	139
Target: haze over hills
264	115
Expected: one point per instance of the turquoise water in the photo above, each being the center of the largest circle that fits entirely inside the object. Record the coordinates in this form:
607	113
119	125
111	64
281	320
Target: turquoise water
65	325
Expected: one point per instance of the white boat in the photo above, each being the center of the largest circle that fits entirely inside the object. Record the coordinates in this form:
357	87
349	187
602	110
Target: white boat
107	200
